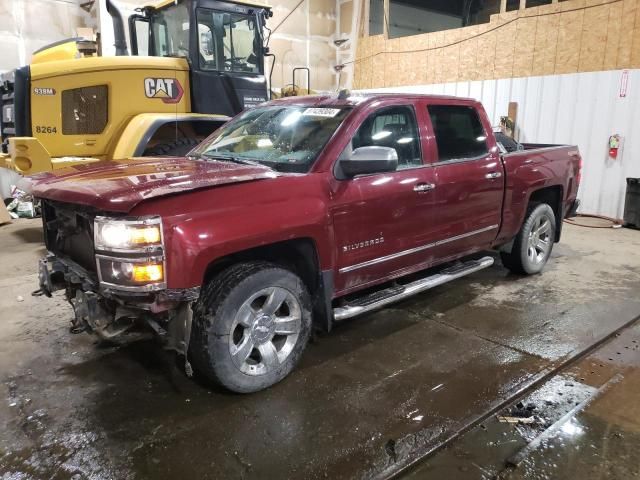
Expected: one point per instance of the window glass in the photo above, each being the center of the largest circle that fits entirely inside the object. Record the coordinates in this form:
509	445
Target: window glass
171	31
393	127
285	138
228	41
376	17
513	5
412	17
142	37
459	133
207	47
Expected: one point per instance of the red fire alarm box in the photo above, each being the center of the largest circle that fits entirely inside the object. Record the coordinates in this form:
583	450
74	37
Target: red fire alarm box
614	146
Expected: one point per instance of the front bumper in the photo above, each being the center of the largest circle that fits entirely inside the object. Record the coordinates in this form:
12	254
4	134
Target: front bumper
110	312
58	273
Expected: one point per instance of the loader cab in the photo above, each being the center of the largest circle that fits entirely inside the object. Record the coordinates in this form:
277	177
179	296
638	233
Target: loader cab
223	42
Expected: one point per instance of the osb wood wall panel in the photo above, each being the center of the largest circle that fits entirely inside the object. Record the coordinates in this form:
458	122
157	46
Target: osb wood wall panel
567	37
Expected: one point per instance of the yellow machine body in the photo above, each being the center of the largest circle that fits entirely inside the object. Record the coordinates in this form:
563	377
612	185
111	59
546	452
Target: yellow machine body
142	94
124	78
135	86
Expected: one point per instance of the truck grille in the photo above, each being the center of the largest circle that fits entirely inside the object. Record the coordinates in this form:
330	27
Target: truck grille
68	232
84	110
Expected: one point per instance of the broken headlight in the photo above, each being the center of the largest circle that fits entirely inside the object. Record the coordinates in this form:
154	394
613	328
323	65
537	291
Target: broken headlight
130	253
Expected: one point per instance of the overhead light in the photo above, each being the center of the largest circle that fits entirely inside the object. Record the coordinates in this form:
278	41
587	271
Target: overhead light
405	140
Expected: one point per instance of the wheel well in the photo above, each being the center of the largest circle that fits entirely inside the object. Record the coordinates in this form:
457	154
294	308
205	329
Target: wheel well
552	196
169	131
298	255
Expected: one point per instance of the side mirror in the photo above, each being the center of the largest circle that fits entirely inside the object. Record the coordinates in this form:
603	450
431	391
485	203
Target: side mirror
368	160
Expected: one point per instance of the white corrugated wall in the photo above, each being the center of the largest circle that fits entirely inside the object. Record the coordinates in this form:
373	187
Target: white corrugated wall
582	109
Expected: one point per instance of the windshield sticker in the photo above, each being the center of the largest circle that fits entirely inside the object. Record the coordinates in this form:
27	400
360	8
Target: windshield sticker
321	112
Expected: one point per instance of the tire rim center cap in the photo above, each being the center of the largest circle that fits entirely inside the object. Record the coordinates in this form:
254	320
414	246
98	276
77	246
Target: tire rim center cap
262	328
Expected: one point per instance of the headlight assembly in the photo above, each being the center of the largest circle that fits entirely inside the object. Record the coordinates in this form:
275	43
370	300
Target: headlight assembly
131	274
130	253
127	235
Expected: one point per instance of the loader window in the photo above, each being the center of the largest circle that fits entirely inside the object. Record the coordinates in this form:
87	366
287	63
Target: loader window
140	34
170	27
228	41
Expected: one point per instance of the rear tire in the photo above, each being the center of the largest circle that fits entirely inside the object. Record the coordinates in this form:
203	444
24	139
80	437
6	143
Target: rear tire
250	327
177	148
533	244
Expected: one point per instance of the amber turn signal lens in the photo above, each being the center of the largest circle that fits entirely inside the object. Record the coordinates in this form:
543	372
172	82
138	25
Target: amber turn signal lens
145	235
147	273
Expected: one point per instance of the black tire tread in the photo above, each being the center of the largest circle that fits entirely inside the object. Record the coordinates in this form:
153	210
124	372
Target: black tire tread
208	309
178	147
211	297
513	260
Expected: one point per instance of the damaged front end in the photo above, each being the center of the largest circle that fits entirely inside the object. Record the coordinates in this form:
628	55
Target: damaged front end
112	270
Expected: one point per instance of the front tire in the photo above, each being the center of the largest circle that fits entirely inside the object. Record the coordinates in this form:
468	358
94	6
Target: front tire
251	325
533	244
177	148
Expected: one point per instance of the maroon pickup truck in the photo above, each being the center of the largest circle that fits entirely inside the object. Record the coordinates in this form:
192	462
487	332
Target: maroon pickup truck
300	212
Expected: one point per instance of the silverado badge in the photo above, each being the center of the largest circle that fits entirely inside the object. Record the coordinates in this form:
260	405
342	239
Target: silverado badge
364	244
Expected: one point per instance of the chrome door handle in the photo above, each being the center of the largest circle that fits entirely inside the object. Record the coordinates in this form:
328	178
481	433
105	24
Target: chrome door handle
493	175
423	187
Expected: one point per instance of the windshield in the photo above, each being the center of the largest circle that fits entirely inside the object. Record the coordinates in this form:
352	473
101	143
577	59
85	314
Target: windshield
285	138
170	28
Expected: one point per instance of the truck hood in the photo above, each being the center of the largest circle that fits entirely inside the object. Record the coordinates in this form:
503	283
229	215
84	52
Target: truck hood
118	186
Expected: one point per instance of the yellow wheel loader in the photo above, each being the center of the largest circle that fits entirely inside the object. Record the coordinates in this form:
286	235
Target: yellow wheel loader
193	64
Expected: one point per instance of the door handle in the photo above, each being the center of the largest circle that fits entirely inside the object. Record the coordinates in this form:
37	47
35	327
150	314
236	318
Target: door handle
493	175
423	187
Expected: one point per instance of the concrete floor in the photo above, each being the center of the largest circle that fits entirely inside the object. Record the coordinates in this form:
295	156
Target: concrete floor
369	400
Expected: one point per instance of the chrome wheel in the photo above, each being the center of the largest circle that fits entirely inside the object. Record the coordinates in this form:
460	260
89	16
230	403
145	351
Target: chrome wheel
540	241
265	330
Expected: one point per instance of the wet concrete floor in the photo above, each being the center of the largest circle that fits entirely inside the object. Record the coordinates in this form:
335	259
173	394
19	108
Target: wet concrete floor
582	423
368	400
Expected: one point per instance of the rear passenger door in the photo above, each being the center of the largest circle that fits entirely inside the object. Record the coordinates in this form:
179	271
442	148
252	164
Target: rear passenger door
469	179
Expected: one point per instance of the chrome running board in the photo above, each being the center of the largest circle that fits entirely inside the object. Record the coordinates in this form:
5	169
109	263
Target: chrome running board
389	295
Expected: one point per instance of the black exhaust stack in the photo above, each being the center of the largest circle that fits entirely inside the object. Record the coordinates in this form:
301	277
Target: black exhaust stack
118	29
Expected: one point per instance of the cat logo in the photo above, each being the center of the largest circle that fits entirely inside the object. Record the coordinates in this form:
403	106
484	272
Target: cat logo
168	90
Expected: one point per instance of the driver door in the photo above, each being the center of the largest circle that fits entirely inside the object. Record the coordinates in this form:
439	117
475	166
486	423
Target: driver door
227	74
382	221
